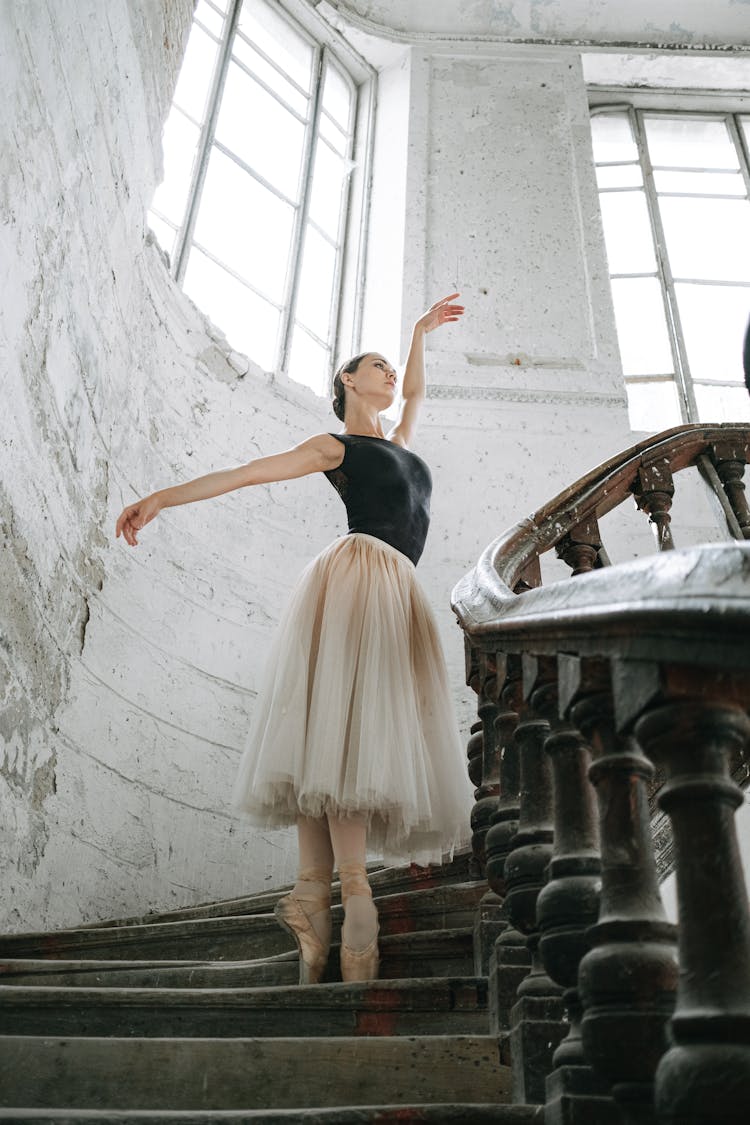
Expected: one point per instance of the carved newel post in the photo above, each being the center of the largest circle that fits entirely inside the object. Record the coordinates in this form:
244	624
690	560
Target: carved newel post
696	726
537	1018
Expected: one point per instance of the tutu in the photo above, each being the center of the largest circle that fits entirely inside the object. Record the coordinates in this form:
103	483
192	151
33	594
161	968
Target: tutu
354	715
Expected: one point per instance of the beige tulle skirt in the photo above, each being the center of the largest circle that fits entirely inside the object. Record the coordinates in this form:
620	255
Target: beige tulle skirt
355	714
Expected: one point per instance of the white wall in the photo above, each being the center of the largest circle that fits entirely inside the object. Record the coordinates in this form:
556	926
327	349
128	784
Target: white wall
127	677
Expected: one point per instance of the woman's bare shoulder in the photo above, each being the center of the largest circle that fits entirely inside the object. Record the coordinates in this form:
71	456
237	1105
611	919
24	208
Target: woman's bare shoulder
328	447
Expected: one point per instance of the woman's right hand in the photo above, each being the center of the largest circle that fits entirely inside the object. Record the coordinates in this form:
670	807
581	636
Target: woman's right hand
136	516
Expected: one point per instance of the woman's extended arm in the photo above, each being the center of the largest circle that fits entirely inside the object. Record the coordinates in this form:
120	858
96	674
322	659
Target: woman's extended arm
315	455
413	387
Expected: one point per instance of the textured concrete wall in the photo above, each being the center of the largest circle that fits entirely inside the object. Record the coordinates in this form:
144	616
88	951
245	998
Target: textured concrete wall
127	677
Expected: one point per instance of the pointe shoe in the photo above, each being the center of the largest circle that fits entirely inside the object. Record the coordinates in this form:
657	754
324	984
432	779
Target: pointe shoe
360	964
357	964
293	914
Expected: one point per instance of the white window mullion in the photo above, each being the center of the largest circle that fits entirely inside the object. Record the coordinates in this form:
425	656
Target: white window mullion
184	237
671	310
290	301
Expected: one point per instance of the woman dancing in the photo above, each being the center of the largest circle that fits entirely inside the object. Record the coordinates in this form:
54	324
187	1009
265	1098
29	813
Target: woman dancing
353	737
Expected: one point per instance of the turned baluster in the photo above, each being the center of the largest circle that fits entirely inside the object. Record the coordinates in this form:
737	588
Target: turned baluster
580	547
510	959
653	490
729	460
488	920
536	1019
568	905
628	978
695	724
487	791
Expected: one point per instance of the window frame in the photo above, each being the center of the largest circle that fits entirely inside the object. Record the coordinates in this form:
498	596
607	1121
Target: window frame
688	104
330	50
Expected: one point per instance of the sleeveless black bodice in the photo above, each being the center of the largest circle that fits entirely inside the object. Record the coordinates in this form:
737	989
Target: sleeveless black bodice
386	490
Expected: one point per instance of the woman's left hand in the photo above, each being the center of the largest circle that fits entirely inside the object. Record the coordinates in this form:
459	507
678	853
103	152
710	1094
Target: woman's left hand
442	312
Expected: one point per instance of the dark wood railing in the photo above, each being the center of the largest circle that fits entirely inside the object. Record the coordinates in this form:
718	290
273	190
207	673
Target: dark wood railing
601	702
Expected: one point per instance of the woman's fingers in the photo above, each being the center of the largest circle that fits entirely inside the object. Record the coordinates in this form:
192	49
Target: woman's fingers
445	300
129	523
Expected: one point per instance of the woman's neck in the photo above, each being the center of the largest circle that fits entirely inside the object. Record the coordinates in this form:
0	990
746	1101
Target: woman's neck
363	422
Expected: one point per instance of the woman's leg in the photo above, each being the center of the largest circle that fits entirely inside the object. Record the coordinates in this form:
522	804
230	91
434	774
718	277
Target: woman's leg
306	911
313	886
349	839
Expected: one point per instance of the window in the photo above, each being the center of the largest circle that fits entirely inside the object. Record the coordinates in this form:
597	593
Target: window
674	193
258	150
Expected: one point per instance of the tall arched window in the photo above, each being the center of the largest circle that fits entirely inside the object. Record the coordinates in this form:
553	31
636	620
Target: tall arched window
259	146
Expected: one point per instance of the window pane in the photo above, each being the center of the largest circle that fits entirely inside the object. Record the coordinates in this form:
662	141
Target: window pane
309	363
708	238
713	321
701	183
653	406
278	39
164	233
196	73
334	136
249	323
262	133
326	198
242	50
337	96
722	404
245	225
315	294
612	137
684	142
627	232
641	326
619	175
209	17
180	141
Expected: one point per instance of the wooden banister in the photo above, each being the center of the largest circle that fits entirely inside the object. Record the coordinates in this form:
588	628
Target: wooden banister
637	667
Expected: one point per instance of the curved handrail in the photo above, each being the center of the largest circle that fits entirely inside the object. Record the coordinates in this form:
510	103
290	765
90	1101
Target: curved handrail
493	585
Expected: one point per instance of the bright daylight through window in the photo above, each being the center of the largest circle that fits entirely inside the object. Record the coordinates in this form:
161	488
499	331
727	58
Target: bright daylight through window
674	197
252	211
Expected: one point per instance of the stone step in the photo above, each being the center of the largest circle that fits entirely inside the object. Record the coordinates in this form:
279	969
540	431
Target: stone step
453	1114
428	953
413	1007
284	1073
383	880
233	938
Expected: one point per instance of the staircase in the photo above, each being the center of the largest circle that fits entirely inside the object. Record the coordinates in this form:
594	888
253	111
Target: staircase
195	1016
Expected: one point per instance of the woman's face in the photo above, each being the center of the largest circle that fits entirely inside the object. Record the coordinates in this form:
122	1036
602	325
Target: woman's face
374	379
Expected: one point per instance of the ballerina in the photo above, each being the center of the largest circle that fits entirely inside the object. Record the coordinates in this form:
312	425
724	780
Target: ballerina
353	736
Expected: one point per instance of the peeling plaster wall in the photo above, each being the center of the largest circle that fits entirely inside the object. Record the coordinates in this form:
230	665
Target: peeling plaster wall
126	676
667	23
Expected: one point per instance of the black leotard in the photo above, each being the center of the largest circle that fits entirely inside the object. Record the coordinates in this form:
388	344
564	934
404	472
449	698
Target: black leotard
386	490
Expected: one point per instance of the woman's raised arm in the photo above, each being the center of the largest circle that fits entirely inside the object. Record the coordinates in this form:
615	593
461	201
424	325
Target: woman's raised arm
413	387
316	455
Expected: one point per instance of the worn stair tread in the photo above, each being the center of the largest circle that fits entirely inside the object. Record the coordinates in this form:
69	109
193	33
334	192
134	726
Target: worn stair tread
436	953
226	938
467	1113
383	880
254	1073
401	1007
